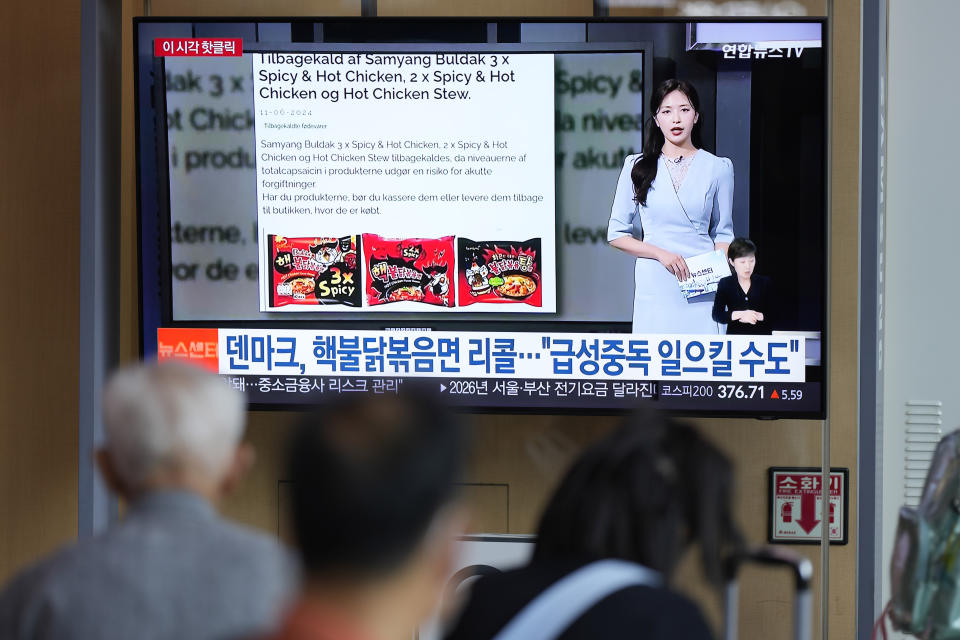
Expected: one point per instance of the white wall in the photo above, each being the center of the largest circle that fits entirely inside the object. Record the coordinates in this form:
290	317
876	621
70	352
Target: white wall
922	243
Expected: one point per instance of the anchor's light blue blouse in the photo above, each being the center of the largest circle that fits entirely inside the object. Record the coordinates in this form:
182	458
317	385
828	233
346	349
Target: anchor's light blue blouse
688	222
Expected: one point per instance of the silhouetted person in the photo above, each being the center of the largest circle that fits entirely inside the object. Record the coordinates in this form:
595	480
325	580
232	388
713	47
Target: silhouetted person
374	515
640	496
171	568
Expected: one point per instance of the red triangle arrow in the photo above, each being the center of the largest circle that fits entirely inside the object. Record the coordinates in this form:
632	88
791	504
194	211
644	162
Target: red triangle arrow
808	517
774	395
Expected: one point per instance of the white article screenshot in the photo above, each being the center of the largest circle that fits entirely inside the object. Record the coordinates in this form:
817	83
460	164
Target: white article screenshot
406	181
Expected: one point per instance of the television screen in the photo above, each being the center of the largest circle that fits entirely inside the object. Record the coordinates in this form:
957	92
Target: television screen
524	214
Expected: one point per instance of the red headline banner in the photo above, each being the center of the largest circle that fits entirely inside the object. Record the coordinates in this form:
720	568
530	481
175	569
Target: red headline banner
197	47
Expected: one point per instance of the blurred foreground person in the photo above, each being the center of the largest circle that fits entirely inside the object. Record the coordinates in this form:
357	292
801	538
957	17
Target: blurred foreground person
171	568
374	516
610	539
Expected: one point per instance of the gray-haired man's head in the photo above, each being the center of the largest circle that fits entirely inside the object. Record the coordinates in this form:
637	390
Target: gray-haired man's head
171	425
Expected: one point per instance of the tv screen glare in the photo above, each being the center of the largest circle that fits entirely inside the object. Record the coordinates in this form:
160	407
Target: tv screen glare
343	206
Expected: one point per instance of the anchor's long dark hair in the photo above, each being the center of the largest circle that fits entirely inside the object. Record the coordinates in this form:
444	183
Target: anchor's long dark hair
645	168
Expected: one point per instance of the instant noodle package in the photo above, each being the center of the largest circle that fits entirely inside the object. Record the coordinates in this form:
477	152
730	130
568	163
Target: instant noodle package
315	271
500	272
412	269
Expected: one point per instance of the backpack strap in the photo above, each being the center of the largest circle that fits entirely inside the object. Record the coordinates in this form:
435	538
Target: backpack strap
550	613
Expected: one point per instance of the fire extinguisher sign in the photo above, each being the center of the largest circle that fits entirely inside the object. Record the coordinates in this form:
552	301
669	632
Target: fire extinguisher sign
796	505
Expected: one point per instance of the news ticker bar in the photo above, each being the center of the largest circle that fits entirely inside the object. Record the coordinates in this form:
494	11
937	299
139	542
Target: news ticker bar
500	393
449	355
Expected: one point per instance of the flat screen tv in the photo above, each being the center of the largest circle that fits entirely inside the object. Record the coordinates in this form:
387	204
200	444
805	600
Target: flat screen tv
544	215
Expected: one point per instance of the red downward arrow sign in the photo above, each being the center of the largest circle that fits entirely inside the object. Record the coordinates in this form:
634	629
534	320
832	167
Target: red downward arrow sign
808	517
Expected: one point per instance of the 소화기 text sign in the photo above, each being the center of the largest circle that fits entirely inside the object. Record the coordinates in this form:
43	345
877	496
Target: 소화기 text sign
796	505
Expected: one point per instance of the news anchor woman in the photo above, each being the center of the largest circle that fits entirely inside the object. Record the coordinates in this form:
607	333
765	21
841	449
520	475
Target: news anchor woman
673	201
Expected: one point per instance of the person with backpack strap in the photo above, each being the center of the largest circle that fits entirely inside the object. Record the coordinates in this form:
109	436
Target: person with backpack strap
610	539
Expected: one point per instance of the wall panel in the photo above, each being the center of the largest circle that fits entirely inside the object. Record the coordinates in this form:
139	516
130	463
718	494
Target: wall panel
719	8
531	8
129	324
920	350
255	8
843	309
40	214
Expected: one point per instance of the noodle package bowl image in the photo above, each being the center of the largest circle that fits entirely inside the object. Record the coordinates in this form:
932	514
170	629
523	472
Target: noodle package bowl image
298	285
409	270
315	271
517	286
499	271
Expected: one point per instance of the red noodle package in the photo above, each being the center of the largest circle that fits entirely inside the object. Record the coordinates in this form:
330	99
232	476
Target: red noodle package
507	271
314	271
414	269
